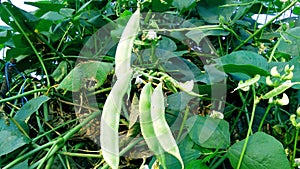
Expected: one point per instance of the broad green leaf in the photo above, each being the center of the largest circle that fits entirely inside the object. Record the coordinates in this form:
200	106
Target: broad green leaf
208	132
11	137
246	62
233	68
134	111
125	46
85	73
52	16
30	107
211	10
46	5
162	130
184	5
198	35
291	43
159	5
263	151
66	12
60	71
110	118
196	164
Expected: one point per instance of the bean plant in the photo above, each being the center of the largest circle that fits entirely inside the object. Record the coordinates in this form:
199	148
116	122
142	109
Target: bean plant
150	84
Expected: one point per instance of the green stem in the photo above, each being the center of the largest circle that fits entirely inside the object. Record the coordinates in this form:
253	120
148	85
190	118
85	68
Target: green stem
265	25
30	43
295	146
186	113
22	95
25	156
265	115
273	50
249	128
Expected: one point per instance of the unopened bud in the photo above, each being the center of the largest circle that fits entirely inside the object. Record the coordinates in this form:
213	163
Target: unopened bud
269	81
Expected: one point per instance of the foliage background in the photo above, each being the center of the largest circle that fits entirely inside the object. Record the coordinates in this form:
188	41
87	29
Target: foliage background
56	45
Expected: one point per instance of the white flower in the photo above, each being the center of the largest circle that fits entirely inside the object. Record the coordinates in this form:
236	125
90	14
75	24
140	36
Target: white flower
216	115
283	101
274	72
151	35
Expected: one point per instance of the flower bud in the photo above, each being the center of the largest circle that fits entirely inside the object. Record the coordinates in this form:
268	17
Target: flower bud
293	119
298	112
288	76
286	68
269	81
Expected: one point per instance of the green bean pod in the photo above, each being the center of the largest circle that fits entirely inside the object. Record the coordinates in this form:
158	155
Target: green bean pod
248	83
124	49
161	127
110	118
278	90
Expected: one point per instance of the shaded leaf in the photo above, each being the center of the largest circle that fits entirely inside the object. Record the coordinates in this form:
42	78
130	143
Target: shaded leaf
291	43
52	16
84	74
30	107
208	132
11	137
183	5
263	151
60	71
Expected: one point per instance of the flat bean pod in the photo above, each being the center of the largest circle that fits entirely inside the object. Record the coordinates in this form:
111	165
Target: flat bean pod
124	49
161	127
278	90
110	118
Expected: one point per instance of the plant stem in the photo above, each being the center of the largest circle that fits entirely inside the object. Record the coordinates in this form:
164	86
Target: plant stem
186	113
249	128
295	146
265	115
22	95
265	25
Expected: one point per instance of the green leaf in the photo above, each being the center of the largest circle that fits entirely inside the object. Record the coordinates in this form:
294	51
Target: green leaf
125	46
208	132
184	5
60	71
30	107
11	137
196	164
159	5
110	118
263	151
197	35
84	73
210	10
291	43
66	12
233	68
242	62
52	16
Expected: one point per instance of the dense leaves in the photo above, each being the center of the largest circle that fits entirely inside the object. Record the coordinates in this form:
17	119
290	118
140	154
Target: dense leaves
158	84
